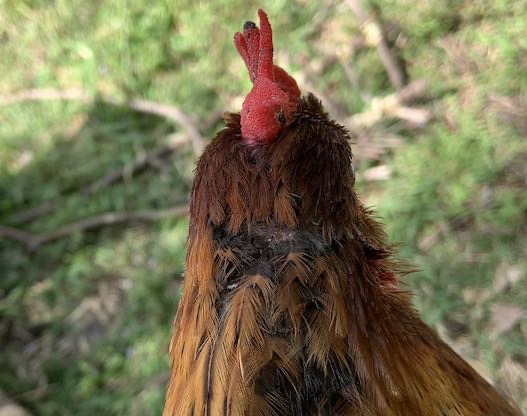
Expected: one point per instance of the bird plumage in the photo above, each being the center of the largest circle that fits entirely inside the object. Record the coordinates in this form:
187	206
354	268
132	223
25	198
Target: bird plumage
291	303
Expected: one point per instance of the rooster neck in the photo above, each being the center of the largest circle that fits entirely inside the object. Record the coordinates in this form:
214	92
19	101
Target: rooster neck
304	178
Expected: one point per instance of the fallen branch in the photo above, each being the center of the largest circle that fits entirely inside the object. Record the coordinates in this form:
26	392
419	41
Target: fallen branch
371	145
45	94
171	144
374	36
340	58
169	112
33	241
162	110
393	105
119	174
175	114
8	407
33	213
377	173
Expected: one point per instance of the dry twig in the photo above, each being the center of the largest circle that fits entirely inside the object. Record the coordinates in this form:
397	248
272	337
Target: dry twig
374	35
393	105
169	146
169	112
33	241
9	408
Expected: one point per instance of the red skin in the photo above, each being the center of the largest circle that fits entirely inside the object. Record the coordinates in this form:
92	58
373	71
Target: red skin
274	96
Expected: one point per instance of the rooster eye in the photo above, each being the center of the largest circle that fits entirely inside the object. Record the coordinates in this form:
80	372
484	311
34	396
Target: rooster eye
281	117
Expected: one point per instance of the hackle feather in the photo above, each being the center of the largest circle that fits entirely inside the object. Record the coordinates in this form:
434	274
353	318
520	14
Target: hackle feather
291	302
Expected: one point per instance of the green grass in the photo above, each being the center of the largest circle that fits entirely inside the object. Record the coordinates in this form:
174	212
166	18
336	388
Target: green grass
85	320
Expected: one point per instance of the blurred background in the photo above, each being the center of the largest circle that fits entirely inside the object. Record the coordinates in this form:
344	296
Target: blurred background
106	105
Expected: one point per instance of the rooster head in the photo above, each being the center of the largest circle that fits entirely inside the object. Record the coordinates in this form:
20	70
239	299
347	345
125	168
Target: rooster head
274	95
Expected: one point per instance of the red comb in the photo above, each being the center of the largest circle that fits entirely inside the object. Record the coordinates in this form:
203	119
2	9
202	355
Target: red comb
275	93
265	59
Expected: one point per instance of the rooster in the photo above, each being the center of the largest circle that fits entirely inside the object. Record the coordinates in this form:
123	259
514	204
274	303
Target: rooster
291	303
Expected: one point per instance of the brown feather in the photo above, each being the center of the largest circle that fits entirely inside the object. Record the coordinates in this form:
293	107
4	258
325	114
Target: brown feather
291	302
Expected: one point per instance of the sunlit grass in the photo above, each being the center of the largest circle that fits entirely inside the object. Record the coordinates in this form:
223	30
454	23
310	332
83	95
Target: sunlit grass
86	319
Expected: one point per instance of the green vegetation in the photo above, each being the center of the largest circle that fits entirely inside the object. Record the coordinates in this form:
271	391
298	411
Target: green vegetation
85	318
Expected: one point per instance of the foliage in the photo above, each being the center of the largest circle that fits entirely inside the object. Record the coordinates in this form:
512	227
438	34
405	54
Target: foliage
85	320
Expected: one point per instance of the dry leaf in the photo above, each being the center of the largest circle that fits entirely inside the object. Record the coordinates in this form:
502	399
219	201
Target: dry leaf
504	317
514	377
506	276
377	173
